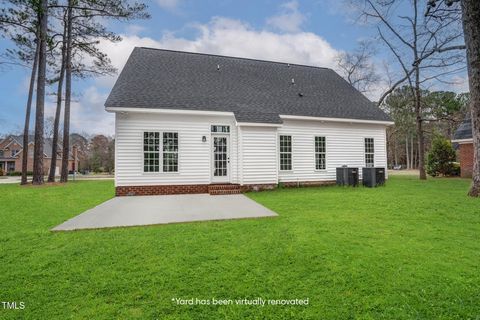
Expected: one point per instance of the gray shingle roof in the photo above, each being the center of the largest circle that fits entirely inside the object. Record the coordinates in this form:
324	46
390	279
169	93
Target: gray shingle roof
254	90
464	131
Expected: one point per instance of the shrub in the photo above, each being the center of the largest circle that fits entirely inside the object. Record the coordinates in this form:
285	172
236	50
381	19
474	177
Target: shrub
455	170
441	158
1	172
14	173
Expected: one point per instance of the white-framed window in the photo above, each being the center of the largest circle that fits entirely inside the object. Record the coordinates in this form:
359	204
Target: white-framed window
220	129
170	152
320	153
151	155
285	153
369	153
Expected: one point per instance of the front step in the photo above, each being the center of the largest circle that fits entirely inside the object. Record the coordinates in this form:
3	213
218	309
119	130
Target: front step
224	189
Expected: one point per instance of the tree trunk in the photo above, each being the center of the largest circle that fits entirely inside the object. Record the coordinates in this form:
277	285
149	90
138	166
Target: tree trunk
68	93
395	151
412	153
418	114
53	163
39	112
26	127
471	29
407	154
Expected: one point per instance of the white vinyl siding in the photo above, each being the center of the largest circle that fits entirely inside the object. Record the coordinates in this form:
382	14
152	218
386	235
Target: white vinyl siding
258	155
194	155
254	151
344	144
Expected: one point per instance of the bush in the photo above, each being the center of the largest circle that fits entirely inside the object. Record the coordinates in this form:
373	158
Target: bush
1	172
455	169
14	174
441	158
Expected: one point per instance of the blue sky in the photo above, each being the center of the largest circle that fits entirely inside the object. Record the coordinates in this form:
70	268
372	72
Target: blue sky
306	32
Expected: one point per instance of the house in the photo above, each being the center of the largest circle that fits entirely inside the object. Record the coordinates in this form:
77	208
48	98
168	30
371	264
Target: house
11	155
463	137
194	123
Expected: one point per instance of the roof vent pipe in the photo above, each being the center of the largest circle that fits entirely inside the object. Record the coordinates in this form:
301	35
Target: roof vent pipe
218	67
293	81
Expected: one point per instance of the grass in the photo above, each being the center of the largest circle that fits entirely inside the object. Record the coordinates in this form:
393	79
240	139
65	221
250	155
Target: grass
407	250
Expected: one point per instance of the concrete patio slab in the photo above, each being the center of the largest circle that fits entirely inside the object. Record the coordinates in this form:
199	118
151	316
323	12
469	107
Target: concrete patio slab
151	210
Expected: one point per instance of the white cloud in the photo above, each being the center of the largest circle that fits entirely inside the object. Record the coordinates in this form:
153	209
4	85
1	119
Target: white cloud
233	38
168	4
290	19
87	113
134	29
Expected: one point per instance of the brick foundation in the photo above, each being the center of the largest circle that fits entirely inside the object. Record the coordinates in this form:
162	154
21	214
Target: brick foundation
204	188
465	155
158	190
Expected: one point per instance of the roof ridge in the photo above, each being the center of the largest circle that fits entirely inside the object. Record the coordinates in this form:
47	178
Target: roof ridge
234	57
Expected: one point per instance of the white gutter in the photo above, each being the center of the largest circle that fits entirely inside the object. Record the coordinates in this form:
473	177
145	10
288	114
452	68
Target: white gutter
463	140
245	124
288	117
255	124
169	111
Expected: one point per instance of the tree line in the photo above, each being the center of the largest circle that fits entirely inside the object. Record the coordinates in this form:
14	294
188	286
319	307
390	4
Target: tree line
59	40
429	42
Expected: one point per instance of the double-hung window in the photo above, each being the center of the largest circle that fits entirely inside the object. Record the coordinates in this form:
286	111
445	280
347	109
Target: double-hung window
151	147
285	153
369	153
152	156
170	152
320	153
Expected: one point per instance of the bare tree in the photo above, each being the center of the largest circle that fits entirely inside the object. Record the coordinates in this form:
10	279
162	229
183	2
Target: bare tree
424	48
357	67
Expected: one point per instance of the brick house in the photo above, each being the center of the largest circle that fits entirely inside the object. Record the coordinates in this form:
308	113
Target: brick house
463	136
11	155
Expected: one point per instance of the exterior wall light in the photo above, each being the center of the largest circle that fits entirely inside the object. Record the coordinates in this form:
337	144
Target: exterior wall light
204	139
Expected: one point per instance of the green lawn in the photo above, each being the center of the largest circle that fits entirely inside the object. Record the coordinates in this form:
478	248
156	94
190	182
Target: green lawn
407	250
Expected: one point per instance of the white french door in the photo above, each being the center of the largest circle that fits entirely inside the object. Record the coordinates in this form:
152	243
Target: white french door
220	158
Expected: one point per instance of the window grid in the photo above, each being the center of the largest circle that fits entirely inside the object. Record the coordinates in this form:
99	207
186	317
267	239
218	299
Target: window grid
170	152
220	129
320	153
285	152
369	153
151	145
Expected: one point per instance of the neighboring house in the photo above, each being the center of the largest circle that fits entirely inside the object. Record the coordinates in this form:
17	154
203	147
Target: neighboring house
193	123
11	155
463	136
